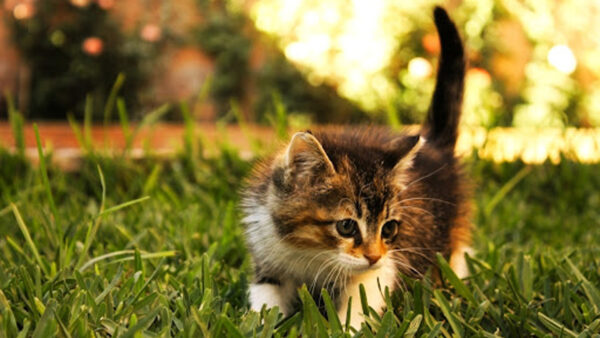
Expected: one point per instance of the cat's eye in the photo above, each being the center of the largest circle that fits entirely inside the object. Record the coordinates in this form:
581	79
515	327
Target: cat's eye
347	227
389	229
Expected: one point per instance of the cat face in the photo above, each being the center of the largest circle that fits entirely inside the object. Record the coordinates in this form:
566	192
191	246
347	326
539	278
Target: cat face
339	203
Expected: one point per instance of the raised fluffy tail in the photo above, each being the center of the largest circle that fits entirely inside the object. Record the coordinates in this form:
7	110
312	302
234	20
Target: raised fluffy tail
440	127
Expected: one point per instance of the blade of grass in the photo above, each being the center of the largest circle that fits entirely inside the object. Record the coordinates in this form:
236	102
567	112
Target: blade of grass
25	329
6	210
46	326
28	239
148	120
17	124
190	143
124	120
6	312
45	181
445	306
91	234
414	325
557	328
78	135
590	290
391	112
87	122
110	286
110	102
124	205
17	247
277	117
363	300
150	255
506	189
348	315
458	284
142	323
232	330
334	321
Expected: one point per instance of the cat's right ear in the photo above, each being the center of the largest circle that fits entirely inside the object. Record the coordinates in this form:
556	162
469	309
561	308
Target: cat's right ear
305	155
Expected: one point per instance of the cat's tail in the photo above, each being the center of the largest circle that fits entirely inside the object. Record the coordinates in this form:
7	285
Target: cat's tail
440	127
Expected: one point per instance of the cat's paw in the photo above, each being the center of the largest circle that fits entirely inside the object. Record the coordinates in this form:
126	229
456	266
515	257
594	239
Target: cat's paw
270	295
458	262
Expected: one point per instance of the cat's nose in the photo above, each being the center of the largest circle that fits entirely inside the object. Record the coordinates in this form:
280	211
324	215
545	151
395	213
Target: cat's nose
372	258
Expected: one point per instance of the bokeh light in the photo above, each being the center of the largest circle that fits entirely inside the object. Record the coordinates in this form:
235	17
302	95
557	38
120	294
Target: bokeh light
420	68
151	32
80	3
93	46
23	11
562	58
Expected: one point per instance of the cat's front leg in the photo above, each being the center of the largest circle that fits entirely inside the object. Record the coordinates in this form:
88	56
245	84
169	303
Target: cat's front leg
279	294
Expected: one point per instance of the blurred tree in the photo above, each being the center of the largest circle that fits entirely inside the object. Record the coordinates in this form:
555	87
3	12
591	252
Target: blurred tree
535	63
222	37
229	36
72	49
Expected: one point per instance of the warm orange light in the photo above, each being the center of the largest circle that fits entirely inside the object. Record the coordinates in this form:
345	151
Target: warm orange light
106	4
23	11
93	46
151	32
80	3
532	146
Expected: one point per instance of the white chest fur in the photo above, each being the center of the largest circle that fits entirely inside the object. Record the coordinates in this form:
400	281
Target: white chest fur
375	282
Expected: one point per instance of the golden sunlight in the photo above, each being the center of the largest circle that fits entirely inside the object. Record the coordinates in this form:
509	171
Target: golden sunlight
532	146
562	58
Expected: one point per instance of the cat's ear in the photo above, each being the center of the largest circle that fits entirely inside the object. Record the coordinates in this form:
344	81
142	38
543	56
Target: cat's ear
305	154
405	151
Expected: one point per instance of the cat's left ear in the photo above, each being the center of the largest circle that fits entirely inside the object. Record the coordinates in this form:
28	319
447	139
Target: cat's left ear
405	150
305	154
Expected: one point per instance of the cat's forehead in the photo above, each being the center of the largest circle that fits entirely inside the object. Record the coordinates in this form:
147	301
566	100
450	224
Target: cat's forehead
363	193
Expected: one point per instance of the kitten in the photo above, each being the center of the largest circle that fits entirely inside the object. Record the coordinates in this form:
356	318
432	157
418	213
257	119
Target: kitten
349	206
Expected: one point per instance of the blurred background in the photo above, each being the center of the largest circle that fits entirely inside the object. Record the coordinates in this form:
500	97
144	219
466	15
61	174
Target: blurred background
533	63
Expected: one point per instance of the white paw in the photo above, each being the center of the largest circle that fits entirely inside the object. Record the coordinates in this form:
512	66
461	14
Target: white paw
458	262
270	295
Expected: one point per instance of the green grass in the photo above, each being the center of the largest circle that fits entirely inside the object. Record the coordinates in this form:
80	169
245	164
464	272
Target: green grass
155	248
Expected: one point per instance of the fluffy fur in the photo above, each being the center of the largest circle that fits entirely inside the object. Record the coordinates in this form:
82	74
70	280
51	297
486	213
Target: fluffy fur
340	207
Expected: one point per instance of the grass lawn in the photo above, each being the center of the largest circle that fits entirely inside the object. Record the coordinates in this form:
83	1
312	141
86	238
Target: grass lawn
155	248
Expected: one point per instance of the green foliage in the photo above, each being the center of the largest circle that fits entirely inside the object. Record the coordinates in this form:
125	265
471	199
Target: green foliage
320	103
155	247
222	37
62	73
228	36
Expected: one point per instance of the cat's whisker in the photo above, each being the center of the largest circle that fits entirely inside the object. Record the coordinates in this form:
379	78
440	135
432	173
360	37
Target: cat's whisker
319	254
420	254
408	218
408	268
325	280
416	208
325	283
425	176
426	199
325	265
415	252
337	278
414	248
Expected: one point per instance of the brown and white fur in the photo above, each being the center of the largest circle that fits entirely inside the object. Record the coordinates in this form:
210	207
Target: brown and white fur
340	207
